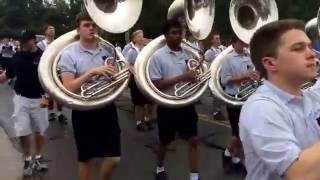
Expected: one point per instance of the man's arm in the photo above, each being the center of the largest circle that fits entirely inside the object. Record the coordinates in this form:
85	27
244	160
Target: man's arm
155	73
306	166
3	77
228	78
239	79
166	83
74	84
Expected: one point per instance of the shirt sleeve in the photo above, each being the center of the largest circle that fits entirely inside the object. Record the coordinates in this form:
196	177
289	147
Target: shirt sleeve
131	56
315	90
125	50
40	45
226	71
155	70
67	64
209	56
270	133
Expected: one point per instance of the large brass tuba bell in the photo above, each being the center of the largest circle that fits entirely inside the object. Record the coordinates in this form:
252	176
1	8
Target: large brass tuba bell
199	17
246	16
113	16
312	27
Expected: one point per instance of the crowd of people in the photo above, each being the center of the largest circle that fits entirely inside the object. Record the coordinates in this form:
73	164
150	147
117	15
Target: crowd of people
279	124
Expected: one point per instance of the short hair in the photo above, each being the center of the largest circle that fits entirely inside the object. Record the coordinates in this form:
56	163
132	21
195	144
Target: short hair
135	33
27	35
214	33
46	27
235	38
173	23
265	41
82	16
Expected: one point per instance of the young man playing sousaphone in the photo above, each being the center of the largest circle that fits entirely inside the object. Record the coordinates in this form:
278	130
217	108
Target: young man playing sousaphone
96	132
167	68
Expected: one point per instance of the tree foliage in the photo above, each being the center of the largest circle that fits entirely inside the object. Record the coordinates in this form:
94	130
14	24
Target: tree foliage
17	15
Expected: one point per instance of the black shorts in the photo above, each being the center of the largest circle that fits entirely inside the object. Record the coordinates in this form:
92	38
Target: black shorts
97	133
234	114
171	121
136	95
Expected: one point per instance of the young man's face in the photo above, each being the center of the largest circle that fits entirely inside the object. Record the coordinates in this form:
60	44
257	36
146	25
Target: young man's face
139	39
29	44
50	31
296	60
239	45
174	36
215	41
87	30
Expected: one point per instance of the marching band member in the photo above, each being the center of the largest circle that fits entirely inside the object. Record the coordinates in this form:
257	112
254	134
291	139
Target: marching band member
235	70
209	56
279	124
96	132
126	48
215	49
142	105
167	68
49	32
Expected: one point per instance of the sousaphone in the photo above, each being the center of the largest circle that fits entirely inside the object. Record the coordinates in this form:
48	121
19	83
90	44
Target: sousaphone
246	16
114	16
199	16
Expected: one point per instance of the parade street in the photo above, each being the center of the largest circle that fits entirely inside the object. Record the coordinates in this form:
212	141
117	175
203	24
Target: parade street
138	149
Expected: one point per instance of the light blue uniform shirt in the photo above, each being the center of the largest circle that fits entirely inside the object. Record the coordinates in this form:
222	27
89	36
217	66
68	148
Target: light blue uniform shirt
234	65
167	64
275	127
78	60
126	48
212	53
132	55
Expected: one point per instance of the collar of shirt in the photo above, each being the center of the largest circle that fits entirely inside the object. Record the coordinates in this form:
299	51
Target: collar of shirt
286	97
93	52
135	47
170	51
221	47
235	54
47	42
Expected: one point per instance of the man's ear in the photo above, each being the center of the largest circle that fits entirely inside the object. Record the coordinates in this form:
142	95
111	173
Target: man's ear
269	63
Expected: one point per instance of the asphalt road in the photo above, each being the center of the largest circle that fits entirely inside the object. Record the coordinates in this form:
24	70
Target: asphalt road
138	149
